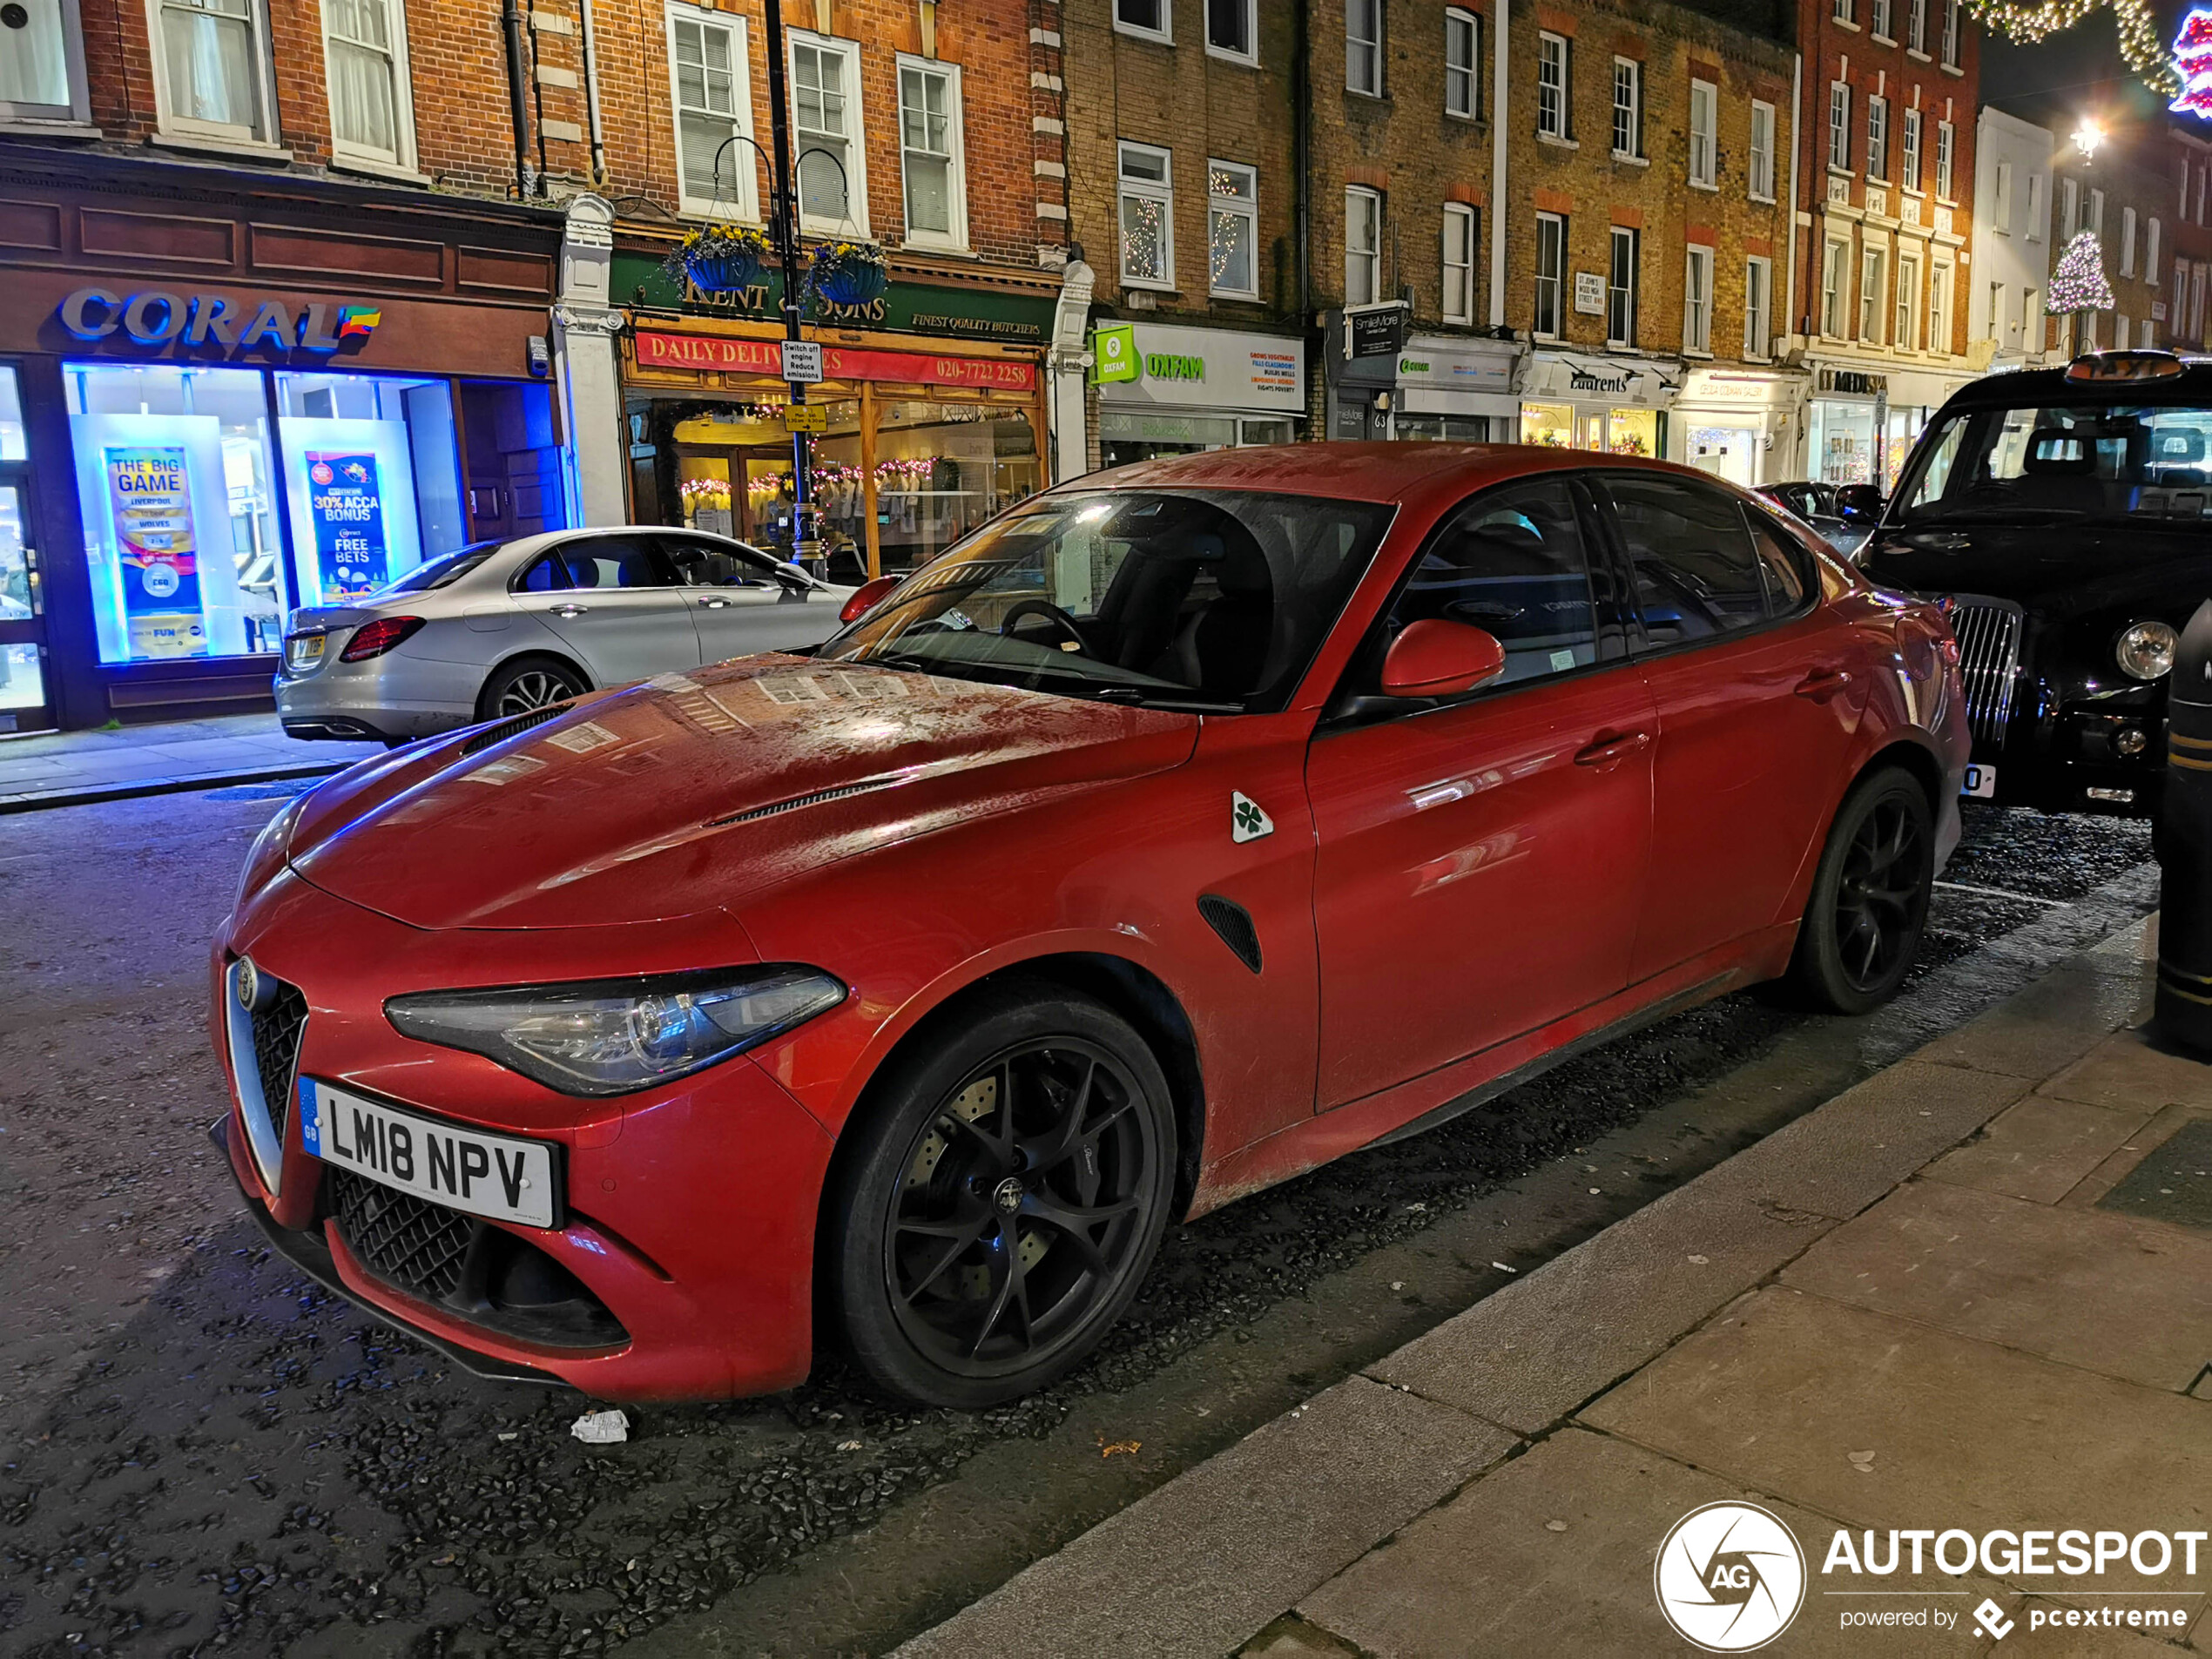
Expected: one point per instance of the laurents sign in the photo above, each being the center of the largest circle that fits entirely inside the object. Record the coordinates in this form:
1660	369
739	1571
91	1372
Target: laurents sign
156	317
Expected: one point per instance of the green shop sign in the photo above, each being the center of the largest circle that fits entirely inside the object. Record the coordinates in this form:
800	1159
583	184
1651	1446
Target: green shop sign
1113	353
906	307
1166	366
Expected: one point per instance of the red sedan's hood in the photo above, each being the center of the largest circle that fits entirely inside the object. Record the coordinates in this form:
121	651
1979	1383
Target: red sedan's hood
696	789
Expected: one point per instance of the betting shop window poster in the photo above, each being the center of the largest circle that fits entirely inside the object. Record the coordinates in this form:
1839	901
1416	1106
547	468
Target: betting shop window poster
346	509
150	497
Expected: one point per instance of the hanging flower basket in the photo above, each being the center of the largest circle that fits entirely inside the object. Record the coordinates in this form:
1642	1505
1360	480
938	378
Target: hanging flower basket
720	258
849	274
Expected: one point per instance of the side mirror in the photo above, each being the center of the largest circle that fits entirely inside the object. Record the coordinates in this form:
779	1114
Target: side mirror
866	597
1434	657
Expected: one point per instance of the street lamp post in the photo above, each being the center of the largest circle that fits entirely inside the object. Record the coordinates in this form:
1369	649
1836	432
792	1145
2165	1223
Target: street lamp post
806	544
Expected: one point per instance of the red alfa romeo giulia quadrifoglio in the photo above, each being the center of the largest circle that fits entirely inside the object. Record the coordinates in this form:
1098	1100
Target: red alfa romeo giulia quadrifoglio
1182	829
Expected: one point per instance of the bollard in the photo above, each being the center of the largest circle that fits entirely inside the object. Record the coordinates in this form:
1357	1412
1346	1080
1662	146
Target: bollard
2184	843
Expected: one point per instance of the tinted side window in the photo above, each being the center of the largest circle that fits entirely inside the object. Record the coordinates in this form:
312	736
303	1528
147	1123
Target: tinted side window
1512	562
1696	574
617	562
548	575
1780	567
711	564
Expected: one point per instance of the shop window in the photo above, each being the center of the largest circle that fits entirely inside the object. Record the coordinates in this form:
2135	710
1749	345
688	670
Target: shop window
1550	425
1149	19
1462	62
1760	174
712	79
1620	288
177	489
1362	245
826	118
22	680
930	153
1363	47
372	105
1758	283
214	57
941	471
1232	229
1458	262
1148	217
1230	30
14	443
1551	85
1842	440
41	69
1626	432
1704	135
1551	274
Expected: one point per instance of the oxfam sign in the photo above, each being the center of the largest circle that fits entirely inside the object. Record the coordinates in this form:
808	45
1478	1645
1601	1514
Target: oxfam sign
155	317
1170	366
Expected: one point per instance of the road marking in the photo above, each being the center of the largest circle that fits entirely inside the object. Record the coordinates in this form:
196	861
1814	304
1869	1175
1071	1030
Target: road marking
2000	892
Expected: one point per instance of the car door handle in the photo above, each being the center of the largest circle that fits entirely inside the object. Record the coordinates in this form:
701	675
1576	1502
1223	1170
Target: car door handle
569	611
1823	682
714	604
1605	751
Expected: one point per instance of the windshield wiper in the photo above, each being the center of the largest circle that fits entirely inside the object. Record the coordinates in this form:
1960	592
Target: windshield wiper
1139	697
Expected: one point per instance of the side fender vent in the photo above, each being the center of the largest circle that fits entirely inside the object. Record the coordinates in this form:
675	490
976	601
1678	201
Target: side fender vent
1234	923
513	726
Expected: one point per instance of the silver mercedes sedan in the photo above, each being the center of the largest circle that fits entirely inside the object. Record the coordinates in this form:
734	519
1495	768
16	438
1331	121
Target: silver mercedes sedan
502	628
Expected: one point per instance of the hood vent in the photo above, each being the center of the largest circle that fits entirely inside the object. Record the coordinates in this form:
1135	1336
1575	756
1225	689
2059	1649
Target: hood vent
514	728
797	801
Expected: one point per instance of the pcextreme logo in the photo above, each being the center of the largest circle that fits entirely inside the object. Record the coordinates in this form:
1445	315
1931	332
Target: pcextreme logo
1729	1577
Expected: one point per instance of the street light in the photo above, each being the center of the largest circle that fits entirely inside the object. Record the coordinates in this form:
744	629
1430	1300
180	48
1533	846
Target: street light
2087	137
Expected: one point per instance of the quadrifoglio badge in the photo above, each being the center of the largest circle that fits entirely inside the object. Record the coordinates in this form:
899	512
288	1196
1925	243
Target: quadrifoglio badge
1730	1577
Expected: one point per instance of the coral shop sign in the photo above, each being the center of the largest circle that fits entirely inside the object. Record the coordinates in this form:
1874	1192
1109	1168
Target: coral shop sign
157	317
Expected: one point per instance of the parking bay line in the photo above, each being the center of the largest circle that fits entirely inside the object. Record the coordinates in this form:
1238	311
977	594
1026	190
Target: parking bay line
2000	892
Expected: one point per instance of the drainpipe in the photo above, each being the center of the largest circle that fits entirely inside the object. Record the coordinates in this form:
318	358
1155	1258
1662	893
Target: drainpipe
1499	59
591	98
1302	140
517	97
1796	161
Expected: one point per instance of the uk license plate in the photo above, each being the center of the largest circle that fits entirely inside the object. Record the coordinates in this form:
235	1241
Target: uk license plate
1980	782
494	1176
303	652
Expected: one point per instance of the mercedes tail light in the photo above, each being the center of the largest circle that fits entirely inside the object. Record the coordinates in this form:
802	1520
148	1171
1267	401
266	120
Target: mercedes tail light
379	637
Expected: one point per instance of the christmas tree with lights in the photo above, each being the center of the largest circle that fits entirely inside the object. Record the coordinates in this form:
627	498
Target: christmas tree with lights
2193	65
2079	282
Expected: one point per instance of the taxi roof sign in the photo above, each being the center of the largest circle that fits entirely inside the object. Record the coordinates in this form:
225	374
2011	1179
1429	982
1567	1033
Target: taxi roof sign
2108	367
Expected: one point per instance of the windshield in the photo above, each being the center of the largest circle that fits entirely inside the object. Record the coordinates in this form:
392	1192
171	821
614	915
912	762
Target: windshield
1205	599
438	572
2085	461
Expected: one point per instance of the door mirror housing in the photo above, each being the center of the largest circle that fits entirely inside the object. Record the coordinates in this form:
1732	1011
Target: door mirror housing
1436	658
867	596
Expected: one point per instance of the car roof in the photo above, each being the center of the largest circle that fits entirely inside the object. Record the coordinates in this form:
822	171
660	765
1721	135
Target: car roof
1397	472
2016	386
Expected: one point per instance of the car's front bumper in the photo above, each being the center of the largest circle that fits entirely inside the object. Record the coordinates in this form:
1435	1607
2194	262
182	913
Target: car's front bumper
690	1210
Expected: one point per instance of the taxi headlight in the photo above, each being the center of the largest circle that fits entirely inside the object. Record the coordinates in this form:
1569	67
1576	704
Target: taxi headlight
615	1036
2146	650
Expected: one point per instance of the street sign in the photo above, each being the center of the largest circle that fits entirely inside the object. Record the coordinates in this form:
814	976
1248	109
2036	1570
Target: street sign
1589	293
803	360
805	417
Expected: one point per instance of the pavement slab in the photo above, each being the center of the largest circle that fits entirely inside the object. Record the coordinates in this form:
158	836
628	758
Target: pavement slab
2047	1025
2173	1183
2130	1155
2042	1149
2131	1070
2120	1298
1779	1391
1246	1533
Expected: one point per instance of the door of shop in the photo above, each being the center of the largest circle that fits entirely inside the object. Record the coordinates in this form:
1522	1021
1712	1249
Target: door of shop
26	695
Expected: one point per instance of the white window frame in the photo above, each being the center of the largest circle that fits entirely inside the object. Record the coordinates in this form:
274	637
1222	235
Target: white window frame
2034	227
1834	280
1759	175
1465	78
2097	213
2001	207
1951	33
1616	237
1939	338
1245	207
1758	308
1250	54
177	125
1839	126
1374	44
955	240
1558	279
1916	26
1632	110
1873	273
1904	312
1878	21
1878	138
742	200
856	175
402	157
1697	301
1908	159
1554	78
2150	254
2069	209
1165	35
1162	192
1840	11
1944	153
1997	312
2127	241
1370	197
1704	135
77	111
1460	224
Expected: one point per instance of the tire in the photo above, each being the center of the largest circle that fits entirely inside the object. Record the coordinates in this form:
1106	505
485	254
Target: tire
1869	896
528	682
972	1254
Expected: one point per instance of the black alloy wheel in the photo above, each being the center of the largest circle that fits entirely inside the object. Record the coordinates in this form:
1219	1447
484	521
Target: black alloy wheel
1870	897
998	1216
527	684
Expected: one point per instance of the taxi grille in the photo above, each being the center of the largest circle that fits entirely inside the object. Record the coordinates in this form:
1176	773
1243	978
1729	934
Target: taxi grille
1989	661
276	1050
408	1242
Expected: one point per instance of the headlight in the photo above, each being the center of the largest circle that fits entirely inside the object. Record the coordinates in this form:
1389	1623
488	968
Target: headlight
614	1036
2146	650
265	857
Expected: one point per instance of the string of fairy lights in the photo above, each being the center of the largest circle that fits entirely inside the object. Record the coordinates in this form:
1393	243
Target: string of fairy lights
2140	43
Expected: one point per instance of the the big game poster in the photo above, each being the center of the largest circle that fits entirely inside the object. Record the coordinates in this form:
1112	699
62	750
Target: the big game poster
150	493
348	513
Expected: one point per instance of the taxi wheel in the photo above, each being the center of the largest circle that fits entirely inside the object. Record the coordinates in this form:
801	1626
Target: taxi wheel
1870	897
1003	1198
